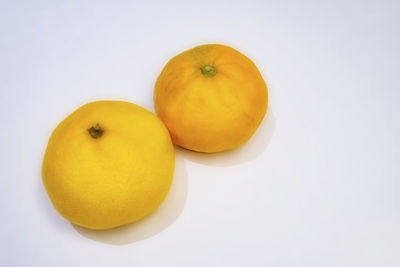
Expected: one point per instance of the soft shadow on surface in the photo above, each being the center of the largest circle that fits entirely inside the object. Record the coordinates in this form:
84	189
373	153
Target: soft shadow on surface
153	224
250	150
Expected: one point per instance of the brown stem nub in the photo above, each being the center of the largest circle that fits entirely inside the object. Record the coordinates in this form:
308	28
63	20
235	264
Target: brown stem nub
95	131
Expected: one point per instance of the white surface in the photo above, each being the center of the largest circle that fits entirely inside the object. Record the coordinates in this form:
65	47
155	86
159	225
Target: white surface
318	185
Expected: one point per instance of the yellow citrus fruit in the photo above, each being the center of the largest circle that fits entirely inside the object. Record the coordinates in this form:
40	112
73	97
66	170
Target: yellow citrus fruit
212	98
107	164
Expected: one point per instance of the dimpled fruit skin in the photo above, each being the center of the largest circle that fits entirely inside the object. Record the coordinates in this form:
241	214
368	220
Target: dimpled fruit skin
116	179
211	114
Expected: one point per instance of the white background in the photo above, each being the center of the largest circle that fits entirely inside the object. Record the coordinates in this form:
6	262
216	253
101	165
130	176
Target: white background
318	184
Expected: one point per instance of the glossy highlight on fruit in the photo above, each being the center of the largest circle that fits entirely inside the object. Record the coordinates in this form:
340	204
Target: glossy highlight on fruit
107	164
212	98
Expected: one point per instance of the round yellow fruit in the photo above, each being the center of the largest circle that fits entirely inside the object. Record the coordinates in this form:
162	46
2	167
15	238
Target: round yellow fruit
107	164
212	98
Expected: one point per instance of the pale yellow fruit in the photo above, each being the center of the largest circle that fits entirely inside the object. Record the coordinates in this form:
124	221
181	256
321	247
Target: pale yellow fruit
107	164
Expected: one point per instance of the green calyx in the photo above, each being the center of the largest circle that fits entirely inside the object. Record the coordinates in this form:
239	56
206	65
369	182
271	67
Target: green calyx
95	131
208	70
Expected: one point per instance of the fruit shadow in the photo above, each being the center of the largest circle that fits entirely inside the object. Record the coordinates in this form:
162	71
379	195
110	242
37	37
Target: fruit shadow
162	218
254	147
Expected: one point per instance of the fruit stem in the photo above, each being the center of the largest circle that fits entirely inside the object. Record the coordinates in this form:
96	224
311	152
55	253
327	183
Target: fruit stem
95	131
208	70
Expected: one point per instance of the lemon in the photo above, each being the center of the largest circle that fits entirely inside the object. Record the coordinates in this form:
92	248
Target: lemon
107	164
212	98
